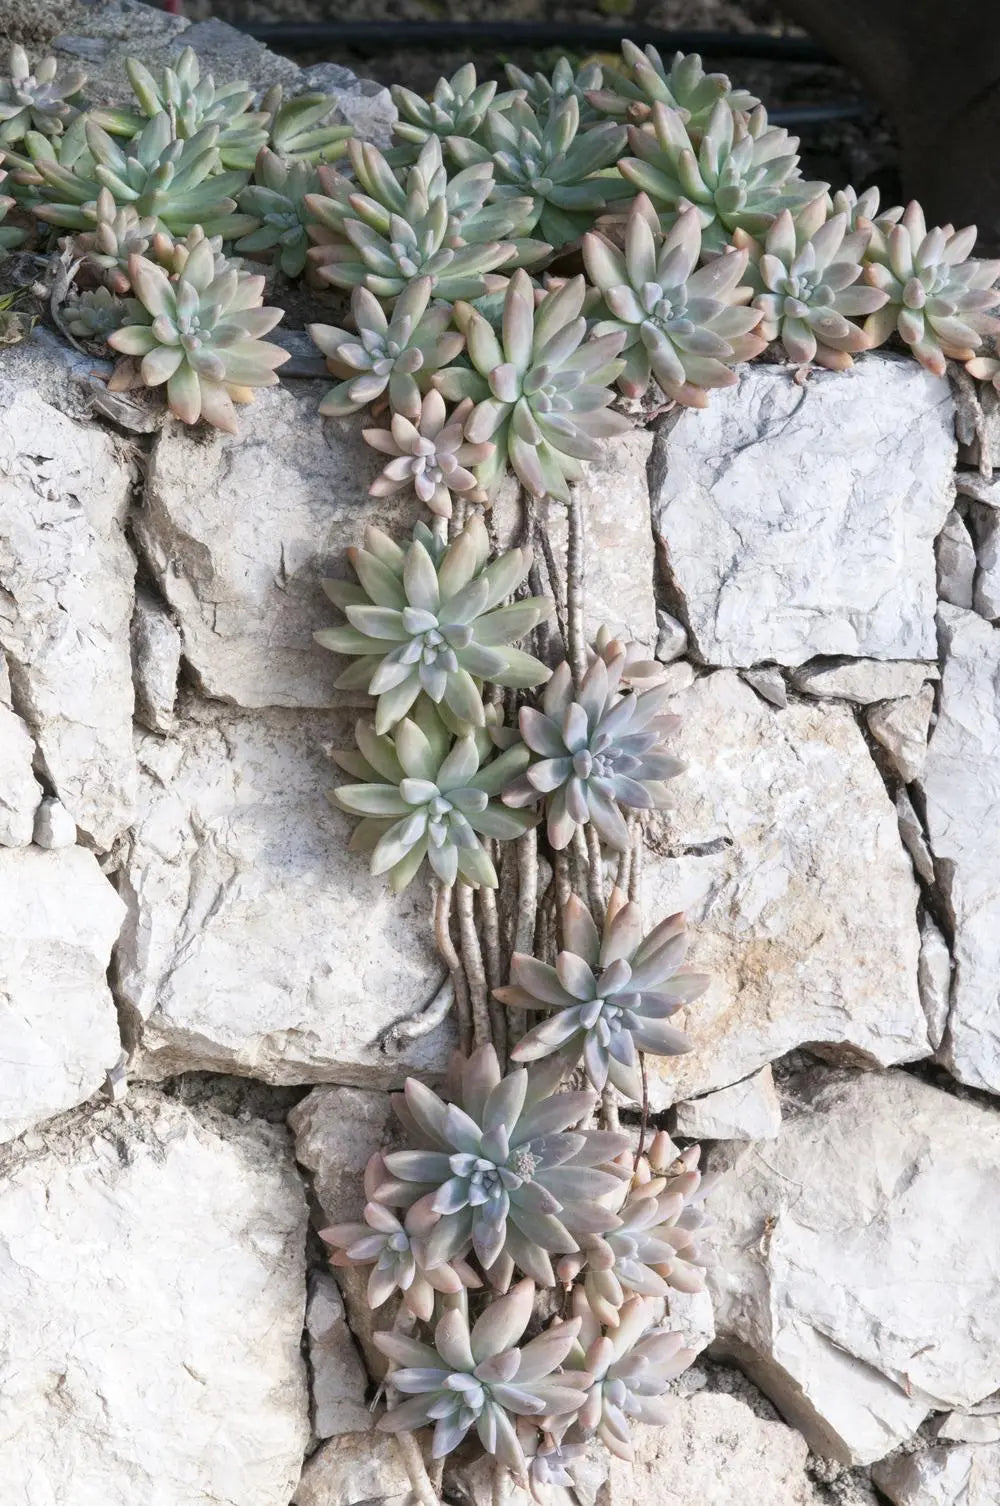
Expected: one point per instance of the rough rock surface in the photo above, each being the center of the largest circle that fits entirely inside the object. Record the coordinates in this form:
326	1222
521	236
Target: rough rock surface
962	790
861	680
956	562
66	577
798	521
156	662
239	531
934	979
20	792
256	942
153	1300
960	1476
832	1234
338	1375
54	826
986	594
782	848
715	1451
749	1110
353	1469
59	917
902	727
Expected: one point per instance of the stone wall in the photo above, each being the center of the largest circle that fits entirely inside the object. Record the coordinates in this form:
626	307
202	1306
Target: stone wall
197	975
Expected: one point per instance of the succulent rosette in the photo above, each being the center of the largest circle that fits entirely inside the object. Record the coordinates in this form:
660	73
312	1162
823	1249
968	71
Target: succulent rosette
392	355
808	289
686	326
276	202
97	313
631	1369
117	234
545	92
595	750
431	455
739	175
658	1245
553	166
481	1378
426	795
540	386
429	619
939	301
302	130
36	99
630	94
435	224
396	1254
504	1169
456	107
609	996
204	340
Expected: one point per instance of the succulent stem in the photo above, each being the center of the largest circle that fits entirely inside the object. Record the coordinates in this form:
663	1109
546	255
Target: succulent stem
414	1026
413	1459
472	962
576	647
443	901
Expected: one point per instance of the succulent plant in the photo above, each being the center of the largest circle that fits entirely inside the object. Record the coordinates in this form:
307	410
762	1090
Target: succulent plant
740	175
631	1369
481	1378
427	619
609	997
862	209
172	254
301	129
550	1460
204	341
191	103
457	107
656	1247
174	182
432	455
808	289
546	92
983	368
939	301
595	749
36	101
540	388
437	225
552	164
68	151
503	1167
684	327
97	314
10	235
630	94
396	356
117	234
396	1254
428	795
638	671
275	200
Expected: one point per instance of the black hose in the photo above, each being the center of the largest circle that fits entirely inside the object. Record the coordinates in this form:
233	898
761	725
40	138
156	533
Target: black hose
379	36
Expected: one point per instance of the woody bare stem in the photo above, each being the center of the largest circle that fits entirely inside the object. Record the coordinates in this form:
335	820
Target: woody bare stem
444	900
473	965
576	644
413	1459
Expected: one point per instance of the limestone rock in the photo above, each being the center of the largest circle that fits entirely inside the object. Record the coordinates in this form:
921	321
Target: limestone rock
338	1376
749	1110
677	677
956	561
911	830
862	680
806	923
353	1469
54	826
671	637
830	1235
768	682
969	1427
20	791
903	727
797	521
962	791
59	917
154	1283
934	979
959	1476
156	662
256	943
694	1315
986	593
363	103
66	577
715	1451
